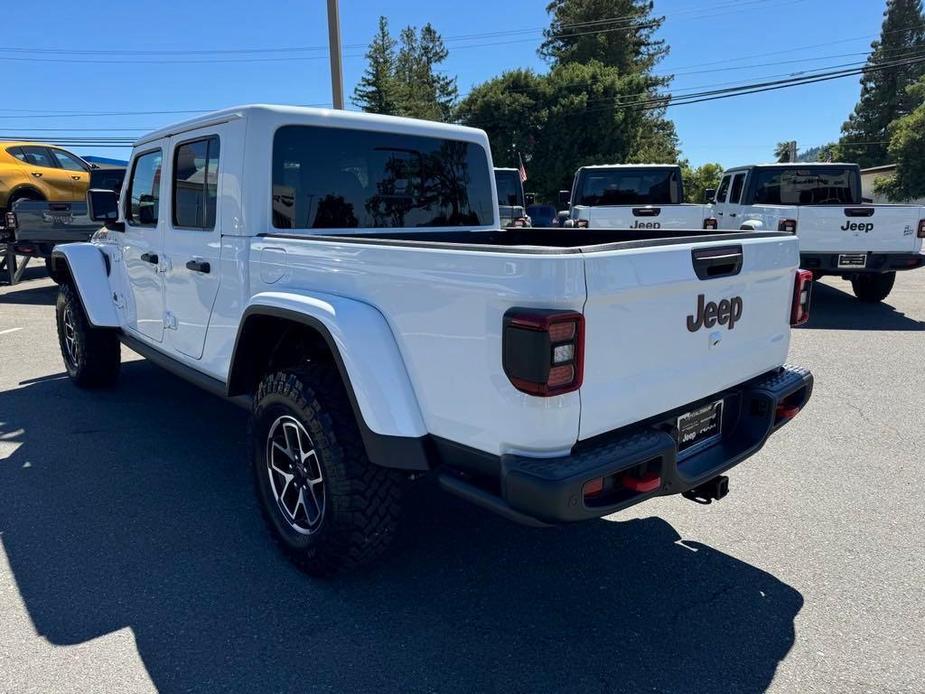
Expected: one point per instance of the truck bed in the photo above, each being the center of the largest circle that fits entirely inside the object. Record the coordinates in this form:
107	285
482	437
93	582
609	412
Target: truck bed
549	241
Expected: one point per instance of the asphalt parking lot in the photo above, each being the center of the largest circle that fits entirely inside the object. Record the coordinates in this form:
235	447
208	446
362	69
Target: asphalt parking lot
133	556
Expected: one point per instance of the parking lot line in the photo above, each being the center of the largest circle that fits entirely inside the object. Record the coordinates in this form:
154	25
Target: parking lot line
9	330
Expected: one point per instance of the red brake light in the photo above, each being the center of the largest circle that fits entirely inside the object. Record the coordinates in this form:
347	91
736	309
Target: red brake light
788	225
921	233
802	290
710	223
543	350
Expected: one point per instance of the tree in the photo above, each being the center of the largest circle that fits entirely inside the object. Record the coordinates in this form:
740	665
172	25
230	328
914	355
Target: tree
406	82
618	33
558	123
885	96
782	152
377	90
907	149
424	92
696	181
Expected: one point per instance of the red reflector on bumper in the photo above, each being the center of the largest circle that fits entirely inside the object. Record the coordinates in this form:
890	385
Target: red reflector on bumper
787	411
593	487
646	483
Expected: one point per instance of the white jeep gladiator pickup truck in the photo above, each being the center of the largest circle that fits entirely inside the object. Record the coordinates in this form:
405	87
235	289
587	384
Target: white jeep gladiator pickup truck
634	196
839	233
343	276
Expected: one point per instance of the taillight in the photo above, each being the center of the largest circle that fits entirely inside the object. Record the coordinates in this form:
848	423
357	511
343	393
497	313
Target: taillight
802	289
543	350
519	222
710	223
921	233
788	225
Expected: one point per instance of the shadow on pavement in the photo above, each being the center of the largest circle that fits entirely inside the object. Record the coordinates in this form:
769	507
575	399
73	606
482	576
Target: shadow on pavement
26	292
834	309
133	508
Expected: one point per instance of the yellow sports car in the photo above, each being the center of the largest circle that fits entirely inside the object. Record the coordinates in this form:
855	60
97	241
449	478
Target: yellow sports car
34	171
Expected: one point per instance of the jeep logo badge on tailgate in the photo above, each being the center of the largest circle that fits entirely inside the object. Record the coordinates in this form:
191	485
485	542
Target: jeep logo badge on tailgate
726	312
858	226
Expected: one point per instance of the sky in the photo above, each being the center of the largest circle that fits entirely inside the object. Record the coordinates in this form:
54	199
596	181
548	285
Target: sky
87	68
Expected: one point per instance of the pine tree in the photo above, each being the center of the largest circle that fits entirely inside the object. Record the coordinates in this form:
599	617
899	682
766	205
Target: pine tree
377	89
423	91
885	96
618	33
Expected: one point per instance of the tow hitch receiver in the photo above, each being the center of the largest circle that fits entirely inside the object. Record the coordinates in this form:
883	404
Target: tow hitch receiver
716	488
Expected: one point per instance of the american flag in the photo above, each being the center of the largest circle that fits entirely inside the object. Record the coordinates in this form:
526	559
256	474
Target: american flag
521	169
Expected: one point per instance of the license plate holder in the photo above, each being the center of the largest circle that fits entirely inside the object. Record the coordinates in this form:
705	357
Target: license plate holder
700	428
852	260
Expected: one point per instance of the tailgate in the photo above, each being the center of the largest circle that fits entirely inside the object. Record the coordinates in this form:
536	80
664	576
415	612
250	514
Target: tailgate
878	228
644	217
645	350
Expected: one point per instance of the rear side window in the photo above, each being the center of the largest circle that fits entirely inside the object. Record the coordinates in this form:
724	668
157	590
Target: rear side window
737	183
68	161
723	189
340	178
812	186
144	190
195	183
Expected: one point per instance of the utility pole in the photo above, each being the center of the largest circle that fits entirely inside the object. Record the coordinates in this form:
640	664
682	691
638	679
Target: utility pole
792	151
337	73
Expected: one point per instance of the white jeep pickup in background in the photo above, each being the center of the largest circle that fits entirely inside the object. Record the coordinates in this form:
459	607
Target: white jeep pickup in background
839	233
634	196
343	276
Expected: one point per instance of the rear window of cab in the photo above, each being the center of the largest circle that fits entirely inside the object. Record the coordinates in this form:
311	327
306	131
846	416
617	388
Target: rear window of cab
342	178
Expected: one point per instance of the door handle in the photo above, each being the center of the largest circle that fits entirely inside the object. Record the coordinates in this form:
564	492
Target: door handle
150	258
732	214
199	266
720	214
37	174
75	178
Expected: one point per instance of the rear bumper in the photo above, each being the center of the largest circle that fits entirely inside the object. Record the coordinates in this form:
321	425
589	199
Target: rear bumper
543	491
876	262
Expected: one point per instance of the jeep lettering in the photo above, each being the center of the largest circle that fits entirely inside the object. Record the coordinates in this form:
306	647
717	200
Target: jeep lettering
645	225
857	226
727	312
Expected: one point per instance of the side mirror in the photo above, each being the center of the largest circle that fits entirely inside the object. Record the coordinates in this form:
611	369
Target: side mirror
565	197
709	195
103	205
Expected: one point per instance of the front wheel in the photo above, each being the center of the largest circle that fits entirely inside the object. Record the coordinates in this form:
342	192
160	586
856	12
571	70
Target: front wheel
91	355
327	506
872	288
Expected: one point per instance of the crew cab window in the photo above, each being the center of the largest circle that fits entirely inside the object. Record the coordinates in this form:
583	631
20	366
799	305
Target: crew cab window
144	190
723	189
330	178
810	186
737	184
68	161
36	156
195	183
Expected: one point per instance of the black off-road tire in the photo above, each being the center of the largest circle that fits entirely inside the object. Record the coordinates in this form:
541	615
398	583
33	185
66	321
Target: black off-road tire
56	276
873	288
361	501
92	356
